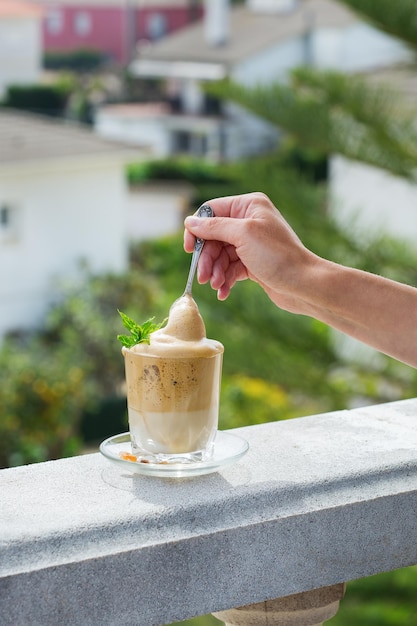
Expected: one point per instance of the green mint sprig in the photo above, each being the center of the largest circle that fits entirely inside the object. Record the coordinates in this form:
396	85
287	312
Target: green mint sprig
138	334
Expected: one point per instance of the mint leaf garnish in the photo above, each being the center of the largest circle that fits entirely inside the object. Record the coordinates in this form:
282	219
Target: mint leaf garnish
138	334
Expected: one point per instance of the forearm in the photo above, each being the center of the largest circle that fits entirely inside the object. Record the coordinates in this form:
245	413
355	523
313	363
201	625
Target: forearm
372	309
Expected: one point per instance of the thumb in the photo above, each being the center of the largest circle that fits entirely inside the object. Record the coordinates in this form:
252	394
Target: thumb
218	228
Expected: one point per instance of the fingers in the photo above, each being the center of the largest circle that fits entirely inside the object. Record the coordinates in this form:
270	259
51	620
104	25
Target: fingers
220	265
234	273
238	206
212	251
228	211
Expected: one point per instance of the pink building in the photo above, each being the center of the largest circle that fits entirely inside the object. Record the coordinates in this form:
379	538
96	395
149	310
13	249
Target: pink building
115	27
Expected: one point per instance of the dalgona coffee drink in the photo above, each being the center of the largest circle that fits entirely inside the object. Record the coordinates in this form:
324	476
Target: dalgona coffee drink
173	388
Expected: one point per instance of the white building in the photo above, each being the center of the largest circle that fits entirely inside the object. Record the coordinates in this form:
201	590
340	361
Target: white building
20	43
257	43
157	209
368	199
371	202
63	204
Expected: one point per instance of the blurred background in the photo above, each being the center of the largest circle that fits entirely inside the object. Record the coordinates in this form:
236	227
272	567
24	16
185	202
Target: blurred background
120	117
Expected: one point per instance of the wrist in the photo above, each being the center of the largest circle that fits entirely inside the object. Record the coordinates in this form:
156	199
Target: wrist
317	286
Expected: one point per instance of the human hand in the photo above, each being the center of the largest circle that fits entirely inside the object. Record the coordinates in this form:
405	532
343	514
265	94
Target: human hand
248	238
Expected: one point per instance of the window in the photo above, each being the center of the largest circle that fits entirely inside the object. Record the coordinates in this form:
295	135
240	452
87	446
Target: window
156	26
8	222
4	216
185	142
82	23
54	22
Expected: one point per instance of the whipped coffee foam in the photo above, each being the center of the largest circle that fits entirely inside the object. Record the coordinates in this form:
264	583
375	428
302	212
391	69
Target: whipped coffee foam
184	334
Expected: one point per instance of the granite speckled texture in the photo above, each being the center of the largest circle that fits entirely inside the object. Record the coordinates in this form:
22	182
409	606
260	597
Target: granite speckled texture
316	501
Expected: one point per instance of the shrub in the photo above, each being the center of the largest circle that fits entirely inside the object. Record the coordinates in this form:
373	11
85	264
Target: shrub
188	169
54	381
247	400
44	99
80	60
42	395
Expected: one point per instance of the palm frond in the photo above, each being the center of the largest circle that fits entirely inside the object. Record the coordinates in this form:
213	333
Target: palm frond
336	113
394	17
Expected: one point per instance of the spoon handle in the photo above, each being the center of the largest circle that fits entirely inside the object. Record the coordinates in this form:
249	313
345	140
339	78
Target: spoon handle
204	211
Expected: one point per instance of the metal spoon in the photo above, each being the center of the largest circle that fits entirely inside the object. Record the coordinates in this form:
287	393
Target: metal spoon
204	211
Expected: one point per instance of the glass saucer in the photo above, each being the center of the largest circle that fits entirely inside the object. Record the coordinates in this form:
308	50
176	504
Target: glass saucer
228	448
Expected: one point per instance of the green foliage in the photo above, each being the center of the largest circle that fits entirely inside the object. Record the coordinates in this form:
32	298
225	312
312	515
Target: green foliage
44	99
49	381
292	365
363	122
74	366
247	400
42	395
383	600
138	333
397	18
79	60
86	323
183	168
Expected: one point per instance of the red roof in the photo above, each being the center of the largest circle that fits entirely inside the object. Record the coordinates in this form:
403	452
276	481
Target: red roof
15	8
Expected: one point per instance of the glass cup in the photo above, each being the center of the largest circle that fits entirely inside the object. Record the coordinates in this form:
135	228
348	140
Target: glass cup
173	404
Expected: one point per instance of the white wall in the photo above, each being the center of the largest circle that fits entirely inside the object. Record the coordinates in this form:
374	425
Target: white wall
157	210
65	217
157	134
20	51
372	201
145	131
192	96
246	133
356	48
365	48
270	65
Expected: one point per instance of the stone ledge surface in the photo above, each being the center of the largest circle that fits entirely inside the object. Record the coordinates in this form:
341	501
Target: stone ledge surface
316	501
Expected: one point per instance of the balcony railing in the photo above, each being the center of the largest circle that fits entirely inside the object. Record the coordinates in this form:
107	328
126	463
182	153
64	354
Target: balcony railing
316	502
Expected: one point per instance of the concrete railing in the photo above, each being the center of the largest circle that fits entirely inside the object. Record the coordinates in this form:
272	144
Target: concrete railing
316	502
